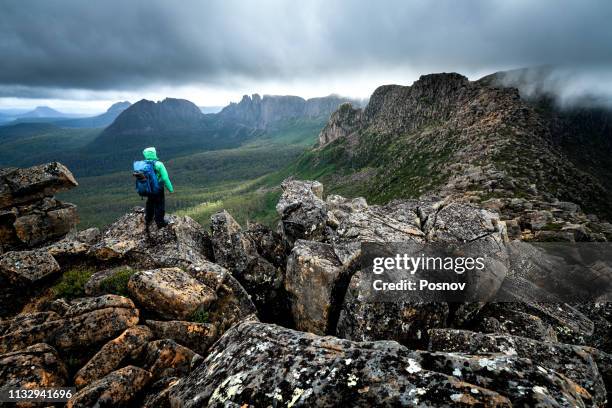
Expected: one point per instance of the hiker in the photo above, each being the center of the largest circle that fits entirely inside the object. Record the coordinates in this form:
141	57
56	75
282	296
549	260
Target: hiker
151	177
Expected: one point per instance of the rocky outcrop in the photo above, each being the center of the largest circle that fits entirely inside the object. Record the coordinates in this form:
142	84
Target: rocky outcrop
239	253
29	214
26	268
342	123
302	211
181	243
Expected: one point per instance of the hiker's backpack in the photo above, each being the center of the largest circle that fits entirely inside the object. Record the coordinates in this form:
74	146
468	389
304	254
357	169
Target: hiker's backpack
147	183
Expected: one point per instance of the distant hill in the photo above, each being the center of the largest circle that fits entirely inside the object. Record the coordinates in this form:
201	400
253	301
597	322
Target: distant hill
42	112
98	121
261	113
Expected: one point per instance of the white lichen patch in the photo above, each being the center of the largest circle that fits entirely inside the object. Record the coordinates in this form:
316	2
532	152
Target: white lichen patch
352	380
348	361
456	397
276	394
457	372
297	393
413	366
228	388
487	363
539	389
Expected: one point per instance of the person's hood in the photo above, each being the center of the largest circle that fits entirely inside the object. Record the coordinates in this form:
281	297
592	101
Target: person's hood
150	153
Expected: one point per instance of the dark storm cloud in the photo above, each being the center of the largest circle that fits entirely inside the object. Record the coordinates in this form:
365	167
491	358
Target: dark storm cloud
50	45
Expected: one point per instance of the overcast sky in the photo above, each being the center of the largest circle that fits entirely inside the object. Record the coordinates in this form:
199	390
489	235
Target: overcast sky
80	55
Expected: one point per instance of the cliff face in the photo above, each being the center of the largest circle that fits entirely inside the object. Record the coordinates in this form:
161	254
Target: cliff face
448	136
261	112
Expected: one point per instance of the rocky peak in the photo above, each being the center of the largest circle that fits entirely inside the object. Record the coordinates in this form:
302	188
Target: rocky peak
147	116
261	112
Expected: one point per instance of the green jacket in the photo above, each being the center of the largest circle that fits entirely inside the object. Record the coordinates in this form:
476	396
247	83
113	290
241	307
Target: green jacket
162	174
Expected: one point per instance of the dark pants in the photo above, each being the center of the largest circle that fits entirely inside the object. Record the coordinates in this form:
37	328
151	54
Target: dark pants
156	209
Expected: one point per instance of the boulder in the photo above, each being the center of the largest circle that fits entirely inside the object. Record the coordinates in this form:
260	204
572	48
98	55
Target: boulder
29	215
36	366
170	292
128	345
26	268
316	280
237	252
197	336
36	182
166	358
263	365
302	211
182	243
233	302
116	389
86	322
269	244
574	362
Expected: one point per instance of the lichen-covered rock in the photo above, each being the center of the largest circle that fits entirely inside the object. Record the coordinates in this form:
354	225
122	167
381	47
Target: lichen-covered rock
197	336
170	292
260	364
25	268
315	278
86	322
233	302
29	215
166	358
36	366
128	345
116	389
302	211
236	251
574	362
182	243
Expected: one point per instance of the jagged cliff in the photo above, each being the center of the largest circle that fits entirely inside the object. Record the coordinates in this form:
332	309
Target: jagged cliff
448	136
261	112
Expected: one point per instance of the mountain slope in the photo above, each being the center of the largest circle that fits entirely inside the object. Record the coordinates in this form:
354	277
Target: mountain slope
98	121
445	135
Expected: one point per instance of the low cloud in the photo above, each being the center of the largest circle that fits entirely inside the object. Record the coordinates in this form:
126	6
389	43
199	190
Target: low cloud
56	45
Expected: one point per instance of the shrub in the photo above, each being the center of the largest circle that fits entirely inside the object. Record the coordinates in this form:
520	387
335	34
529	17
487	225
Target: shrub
199	316
116	284
72	283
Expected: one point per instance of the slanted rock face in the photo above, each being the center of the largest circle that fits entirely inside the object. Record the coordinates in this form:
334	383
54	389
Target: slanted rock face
29	215
197	336
315	276
129	344
116	389
36	366
86	322
343	122
238	252
302	211
574	362
260	364
170	292
165	358
27	267
181	243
